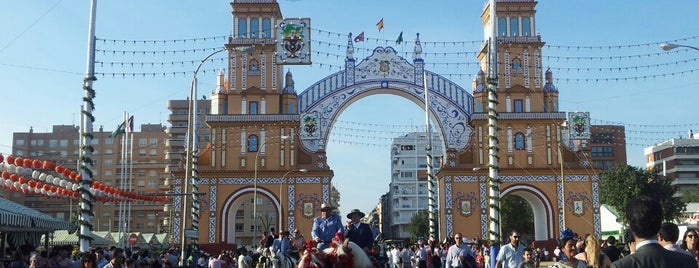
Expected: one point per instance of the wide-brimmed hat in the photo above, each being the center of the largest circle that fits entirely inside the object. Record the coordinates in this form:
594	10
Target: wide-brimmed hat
325	206
357	211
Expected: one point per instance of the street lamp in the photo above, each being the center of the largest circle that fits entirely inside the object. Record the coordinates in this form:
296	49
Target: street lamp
281	204
191	166
671	46
254	198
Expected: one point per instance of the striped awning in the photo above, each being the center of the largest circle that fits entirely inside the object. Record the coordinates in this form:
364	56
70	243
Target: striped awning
16	217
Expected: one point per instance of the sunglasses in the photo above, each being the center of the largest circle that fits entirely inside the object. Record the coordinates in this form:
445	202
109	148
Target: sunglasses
690	236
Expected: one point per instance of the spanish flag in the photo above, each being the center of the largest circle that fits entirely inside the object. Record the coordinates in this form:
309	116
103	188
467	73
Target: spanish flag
379	24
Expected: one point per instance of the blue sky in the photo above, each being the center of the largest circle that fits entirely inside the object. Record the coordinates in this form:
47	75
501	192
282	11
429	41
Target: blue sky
43	60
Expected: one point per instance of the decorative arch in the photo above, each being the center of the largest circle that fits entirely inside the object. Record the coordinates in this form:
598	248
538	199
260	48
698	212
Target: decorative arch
385	72
541	207
228	215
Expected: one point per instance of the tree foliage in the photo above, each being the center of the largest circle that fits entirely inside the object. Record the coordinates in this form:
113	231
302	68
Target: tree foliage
625	182
420	224
516	214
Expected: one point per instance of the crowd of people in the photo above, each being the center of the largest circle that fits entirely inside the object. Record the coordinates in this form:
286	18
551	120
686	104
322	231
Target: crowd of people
650	243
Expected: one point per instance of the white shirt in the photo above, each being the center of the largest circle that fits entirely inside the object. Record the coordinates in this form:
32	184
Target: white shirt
395	255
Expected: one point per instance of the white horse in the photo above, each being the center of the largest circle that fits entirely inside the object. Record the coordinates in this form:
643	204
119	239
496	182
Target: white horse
280	260
338	255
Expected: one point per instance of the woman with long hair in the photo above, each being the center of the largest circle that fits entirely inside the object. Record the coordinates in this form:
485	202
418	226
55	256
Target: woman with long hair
690	241
593	254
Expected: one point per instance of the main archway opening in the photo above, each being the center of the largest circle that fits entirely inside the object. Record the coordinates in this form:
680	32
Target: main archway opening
360	153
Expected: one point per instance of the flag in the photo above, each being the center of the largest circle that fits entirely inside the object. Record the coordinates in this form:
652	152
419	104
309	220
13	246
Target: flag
380	24
400	38
129	126
359	38
119	130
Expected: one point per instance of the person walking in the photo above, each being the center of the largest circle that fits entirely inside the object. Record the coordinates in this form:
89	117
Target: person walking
510	255
457	253
645	216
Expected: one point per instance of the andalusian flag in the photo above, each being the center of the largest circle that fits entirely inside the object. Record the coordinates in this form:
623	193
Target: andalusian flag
122	128
380	24
400	38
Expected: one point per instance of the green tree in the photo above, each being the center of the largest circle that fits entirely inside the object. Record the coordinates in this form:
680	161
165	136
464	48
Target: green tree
690	195
625	182
420	224
516	214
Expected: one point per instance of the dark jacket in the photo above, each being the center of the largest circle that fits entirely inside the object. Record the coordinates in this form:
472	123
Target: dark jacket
362	235
654	255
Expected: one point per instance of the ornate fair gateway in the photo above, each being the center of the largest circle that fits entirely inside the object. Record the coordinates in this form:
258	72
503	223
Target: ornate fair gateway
269	142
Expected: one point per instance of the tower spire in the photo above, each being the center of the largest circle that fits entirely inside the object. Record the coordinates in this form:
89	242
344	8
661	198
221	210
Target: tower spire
350	47
417	51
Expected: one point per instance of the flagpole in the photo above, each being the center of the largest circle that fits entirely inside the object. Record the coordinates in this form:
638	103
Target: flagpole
129	137
86	136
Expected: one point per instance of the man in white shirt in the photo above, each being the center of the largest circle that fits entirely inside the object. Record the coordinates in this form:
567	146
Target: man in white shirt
395	257
512	254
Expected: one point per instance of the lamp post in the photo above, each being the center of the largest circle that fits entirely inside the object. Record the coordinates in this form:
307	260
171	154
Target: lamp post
671	46
281	203
191	166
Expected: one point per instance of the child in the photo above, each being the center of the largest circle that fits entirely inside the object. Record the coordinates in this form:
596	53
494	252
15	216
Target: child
528	261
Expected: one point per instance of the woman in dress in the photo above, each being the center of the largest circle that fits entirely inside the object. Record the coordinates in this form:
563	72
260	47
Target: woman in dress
690	241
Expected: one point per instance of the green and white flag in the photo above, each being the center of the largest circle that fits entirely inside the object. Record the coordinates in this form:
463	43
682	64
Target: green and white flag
121	129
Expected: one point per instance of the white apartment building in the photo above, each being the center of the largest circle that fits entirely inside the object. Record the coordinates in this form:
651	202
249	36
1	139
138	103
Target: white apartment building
408	188
677	159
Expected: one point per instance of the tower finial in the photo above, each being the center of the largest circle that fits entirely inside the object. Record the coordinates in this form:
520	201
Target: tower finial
350	47
417	51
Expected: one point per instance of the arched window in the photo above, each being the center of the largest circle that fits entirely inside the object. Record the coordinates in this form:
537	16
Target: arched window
516	65
242	27
254	28
253	67
502	26
514	26
519	141
266	28
252	143
526	27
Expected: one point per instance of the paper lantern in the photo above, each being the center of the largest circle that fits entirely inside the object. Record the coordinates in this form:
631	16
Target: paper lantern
42	176
10	159
22	180
18	161
1	158
59	169
14	177
36	174
36	164
26	162
48	165
79	178
8	182
5	174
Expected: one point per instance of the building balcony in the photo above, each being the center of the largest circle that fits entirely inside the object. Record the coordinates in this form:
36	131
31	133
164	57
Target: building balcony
684	168
174	142
686	181
176	130
176	117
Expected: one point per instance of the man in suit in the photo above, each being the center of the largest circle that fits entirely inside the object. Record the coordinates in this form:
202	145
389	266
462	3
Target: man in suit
358	232
645	215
